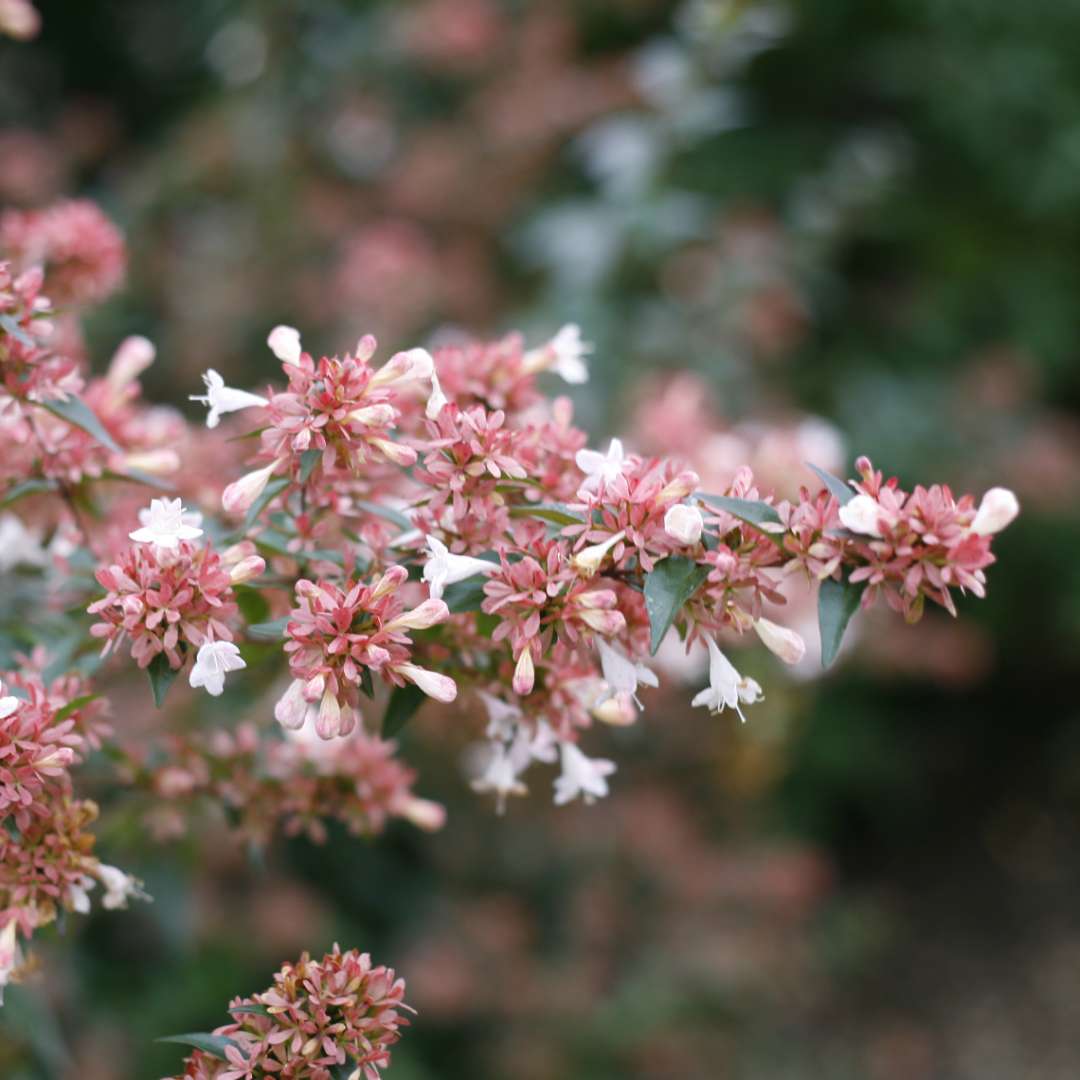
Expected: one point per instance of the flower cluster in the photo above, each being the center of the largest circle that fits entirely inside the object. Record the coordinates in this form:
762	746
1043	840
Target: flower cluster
320	1015
339	636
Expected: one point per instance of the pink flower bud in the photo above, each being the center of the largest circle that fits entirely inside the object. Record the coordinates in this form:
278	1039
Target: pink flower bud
998	508
404	366
130	360
423	813
246	569
785	643
395	452
328	722
427	614
524	674
684	523
439	687
292	707
587	561
239	495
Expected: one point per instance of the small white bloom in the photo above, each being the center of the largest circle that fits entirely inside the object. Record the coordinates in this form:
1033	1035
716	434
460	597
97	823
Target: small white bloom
727	688
220	399
998	508
570	352
861	515
499	777
19	546
284	342
11	956
293	709
78	895
588	559
214	660
7	705
786	643
119	887
444	569
600	468
437	401
503	716
623	675
581	775
684	523
163	524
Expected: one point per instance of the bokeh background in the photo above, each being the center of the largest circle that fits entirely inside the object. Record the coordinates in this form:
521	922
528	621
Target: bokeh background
793	230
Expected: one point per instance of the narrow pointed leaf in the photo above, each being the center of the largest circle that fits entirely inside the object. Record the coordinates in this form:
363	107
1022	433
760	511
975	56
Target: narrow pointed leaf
202	1040
837	602
11	325
555	513
401	708
670	584
396	517
759	514
73	706
76	411
27	487
308	460
837	486
161	677
273	488
268	631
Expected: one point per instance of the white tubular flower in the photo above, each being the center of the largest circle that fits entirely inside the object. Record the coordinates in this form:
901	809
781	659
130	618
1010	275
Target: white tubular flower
214	660
133	356
564	355
727	688
221	399
861	515
78	894
684	523
443	568
19	546
623	675
998	508
284	342
588	559
404	367
499	778
438	400
8	704
166	523
785	643
581	775
119	887
11	957
600	468
503	716
426	615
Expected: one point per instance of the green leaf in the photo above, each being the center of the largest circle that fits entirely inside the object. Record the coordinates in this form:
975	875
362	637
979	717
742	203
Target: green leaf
254	1009
556	513
308	460
465	595
670	584
27	487
76	411
386	513
751	511
837	486
367	686
401	708
253	605
137	476
203	1040
161	677
273	488
837	602
73	706
11	325
268	631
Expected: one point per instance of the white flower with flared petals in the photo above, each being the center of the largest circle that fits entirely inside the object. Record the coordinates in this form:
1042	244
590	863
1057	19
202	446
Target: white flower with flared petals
19	546
623	675
119	887
601	468
570	352
499	778
727	688
581	775
221	399
443	568
214	660
164	524
503	716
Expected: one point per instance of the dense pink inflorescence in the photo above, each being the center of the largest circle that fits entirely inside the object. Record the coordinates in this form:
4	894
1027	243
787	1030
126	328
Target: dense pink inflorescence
320	1014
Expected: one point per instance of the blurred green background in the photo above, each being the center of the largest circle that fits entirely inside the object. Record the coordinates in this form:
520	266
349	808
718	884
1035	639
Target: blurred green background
865	211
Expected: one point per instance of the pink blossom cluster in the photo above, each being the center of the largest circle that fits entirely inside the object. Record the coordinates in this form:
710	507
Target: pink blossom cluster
320	1015
295	784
